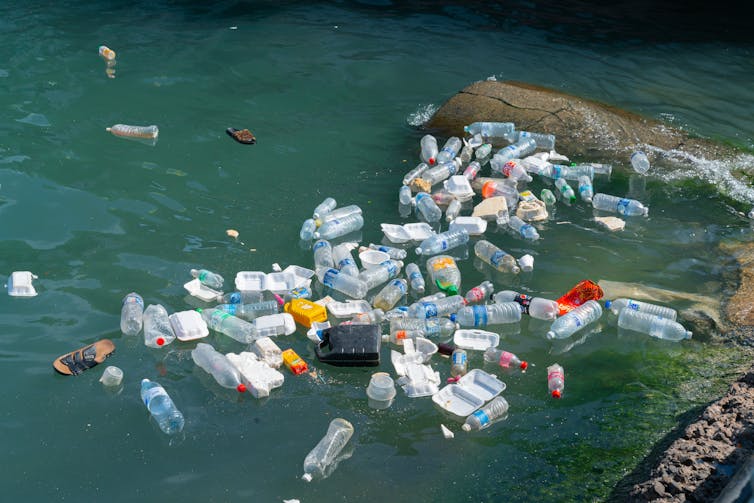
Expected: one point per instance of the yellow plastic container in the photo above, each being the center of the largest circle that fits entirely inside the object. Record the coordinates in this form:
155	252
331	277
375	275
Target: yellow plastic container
294	362
305	312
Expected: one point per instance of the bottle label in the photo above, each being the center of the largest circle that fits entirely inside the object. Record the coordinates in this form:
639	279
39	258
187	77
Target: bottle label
525	229
415	275
218	317
153	392
346	262
584	188
480	316
400	285
319	244
329	278
134	299
443	245
557	172
230	308
505	359
632	305
524	301
497	257
400	335
392	268
475	294
622	206
508	167
459	358
430	310
555	374
482	416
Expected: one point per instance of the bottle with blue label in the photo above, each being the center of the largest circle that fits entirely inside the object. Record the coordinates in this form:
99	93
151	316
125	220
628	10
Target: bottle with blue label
620	205
492	130
351	286
438	243
381	273
250	311
489	314
484	417
427	207
575	320
459	363
323	254
343	259
526	231
518	150
415	278
390	294
393	253
586	192
449	150
340	227
616	305
307	229
324	208
440	307
442	171
543	141
494	256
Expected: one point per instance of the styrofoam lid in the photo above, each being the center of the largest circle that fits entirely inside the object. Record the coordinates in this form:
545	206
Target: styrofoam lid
188	325
474	225
348	308
280	282
19	284
201	291
475	339
459	186
276	320
251	281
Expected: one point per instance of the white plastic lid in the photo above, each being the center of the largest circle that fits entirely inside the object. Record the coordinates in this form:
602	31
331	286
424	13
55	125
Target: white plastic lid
251	281
284	320
201	291
459	186
475	339
188	325
474	225
19	284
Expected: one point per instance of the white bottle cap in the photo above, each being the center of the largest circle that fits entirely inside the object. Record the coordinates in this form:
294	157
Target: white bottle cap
526	262
466	427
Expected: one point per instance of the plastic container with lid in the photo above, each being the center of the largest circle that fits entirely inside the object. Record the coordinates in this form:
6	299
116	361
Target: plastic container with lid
475	226
381	390
475	339
469	393
197	289
257	374
459	187
417	231
19	284
188	325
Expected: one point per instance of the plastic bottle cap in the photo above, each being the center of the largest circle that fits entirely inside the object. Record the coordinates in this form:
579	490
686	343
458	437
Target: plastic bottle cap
431	161
608	303
466	427
524	365
160	341
307	477
550	335
556	393
453	317
419	251
241	388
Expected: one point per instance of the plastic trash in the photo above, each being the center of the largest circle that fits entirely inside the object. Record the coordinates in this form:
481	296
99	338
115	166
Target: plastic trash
504	358
409	232
427	208
390	294
294	362
324	208
639	162
651	324
343	283
491	130
439	243
446	432
616	305
307	229
322	459
475	339
575	320
581	292
536	307
260	377
512	169
569	196
267	351
157	329
306	312
489	314
586	192
415	173
209	278
412	328
393	253
218	366
230	325
501	188
494	256
444	274
323	256
20	284
518	150
543	141
548	197
622	206
480	293
472	170
338	214
555	380
144	132
487	415
449	150
415	278
381	390
404	195
241	298
371	317
459	187
526	263
131	314
273	325
530	211
339	227
161	407
459	362
344	262
348	308
353	345
526	231
428	149
249	312
188	325
440	307
442	171
112	377
475	226
106	53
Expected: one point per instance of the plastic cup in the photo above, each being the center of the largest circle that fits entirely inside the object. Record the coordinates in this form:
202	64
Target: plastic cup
111	377
372	258
381	390
527	263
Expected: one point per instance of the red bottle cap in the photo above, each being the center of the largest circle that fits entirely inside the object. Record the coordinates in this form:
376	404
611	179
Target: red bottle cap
431	161
523	365
556	393
160	341
241	388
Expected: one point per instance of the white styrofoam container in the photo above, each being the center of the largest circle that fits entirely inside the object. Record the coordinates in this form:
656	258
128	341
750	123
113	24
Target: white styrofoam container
459	186
475	339
417	231
19	284
469	393
257	281
188	325
348	308
201	291
474	225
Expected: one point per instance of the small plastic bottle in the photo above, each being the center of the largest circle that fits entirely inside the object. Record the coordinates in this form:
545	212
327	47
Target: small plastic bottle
344	261
444	273
575	320
449	150
339	227
230	325
576	171
144	132
536	307
409	328
491	130
547	197
393	252
157	329
555	380
489	314
132	314
338	213
427	207
616	305
218	366
250	311
480	293
543	141
459	363
639	162
439	307
307	229
415	173
326	451
404	195
381	273
511	169
324	208
651	324
415	278
390	294
348	285
438	243
483	154
442	171
585	189
429	149
565	190
494	256
443	197
106	53
504	358
454	208
472	170
518	150
526	231
209	278
161	407
494	188
485	416
622	206
246	297
323	254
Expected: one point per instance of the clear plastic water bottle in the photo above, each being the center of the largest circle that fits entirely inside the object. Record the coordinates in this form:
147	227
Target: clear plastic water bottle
396	313
381	273
465	155
651	324
338	213
251	311
339	227
218	366
459	363
449	150
131	314
502	218
326	451
502	187
511	169
518	150
436	308
373	317
157	329
344	261
404	195
526	231
616	305
438	243
323	254
547	197
472	170
429	149
453	210
230	325
639	162
480	293
324	208
442	171
433	297
494	256
390	294
209	278
504	358
161	407
565	190
348	285
144	132
555	380
485	416
307	229
415	173
483	153
622	206
393	252
489	314
585	189
491	130
427	207
415	278
576	171
444	273
410	328
544	141
241	297
536	307
575	320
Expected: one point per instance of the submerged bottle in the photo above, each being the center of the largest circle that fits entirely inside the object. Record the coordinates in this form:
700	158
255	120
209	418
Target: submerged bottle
410	328
307	229
144	132
547	197
585	189
344	262
491	130
494	256
380	273
230	325
555	380
415	173
429	149
504	358
543	141
161	407
489	314
459	363
209	278
575	320
324	208
390	294
415	278
339	227
106	53
438	243
565	190
131	314
157	329
348	285
622	206
404	195
326	451
536	307
480	293
651	324
436	308
250	311
639	162
218	366
616	305
323	254
427	207
526	231
449	150
485	416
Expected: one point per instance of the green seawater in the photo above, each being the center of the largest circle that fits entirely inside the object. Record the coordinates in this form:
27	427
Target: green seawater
335	94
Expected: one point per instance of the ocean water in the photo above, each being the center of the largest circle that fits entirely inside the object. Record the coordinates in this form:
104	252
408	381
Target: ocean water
336	94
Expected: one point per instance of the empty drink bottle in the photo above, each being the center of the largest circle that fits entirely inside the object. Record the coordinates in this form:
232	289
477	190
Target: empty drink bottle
472	170
543	141
569	196
489	314
483	153
209	278
131	314
616	305
459	363
491	130
620	205
230	325
394	253
410	328
585	189
323	254
390	294
439	307
504	358
494	256
404	195
348	285
449	150
343	259
415	278
415	173
526	231
338	213
427	207
485	416
332	229
161	407
651	324
536	307
453	210
324	454
218	366
438	243
511	169
442	171
324	208
555	380
428	149
639	162
480	293
307	229
381	273
247	297
250	311
547	197
518	150
575	320
157	329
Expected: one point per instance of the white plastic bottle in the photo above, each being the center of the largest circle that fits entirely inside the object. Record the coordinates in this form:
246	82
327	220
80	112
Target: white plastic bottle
616	305
348	285
427	207
324	208
323	254
640	162
536	307
622	206
504	358
131	314
651	324
575	320
438	243
485	416
494	256
555	380
326	451
565	190
218	366
339	227
544	141
415	278
144	132
230	325
449	150
307	229
586	192
415	173
440	307
489	314
381	273
472	170
518	150
511	169
526	231
429	149
393	252
161	407
343	259
390	294
157	329
480	293
209	278
250	311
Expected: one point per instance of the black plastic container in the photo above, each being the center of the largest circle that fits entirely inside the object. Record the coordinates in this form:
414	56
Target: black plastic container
350	346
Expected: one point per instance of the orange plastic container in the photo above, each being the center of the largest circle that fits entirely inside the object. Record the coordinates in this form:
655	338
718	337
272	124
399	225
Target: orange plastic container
583	291
294	362
305	312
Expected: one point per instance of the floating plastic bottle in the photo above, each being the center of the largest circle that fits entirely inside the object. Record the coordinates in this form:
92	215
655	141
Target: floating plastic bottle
504	358
343	259
443	197
518	150
428	149
381	273
324	454
444	274
543	141
454	208
439	307
324	208
651	324
161	407
250	311
494	256
404	195
307	229
487	415
373	317
106	53
427	207
640	162
218	366
415	278
555	380
547	197
494	188
449	150
622	206
411	328
480	293
348	285
459	363
323	254
491	130
489	314
581	292
575	320
131	314
536	307
393	253
157	329
465	155
616	305
565	190
230	325
526	231
472	170
586	192
247	297
442	171
483	154
339	227
511	169
339	213
144	132
438	243
415	173
209	278
390	294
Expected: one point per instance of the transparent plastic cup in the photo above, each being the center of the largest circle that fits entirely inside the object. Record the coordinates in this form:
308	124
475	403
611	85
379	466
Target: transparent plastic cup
381	390
111	377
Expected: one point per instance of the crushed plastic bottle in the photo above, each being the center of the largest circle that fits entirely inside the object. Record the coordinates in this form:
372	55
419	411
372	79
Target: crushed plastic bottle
480	293
494	256
526	231
489	314
415	278
536	307
427	207
209	278
504	358
439	307
497	408
429	149
616	305
143	132
640	162
438	243
161	407
622	206
415	173
324	208
230	325
157	329
575	320
390	294
337	227
323	457
651	324
555	380
131	314
218	366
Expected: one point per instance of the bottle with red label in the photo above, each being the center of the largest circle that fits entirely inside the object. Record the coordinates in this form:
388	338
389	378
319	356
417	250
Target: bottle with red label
480	293
555	380
504	359
576	296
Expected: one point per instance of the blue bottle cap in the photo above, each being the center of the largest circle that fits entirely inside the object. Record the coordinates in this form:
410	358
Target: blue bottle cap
608	303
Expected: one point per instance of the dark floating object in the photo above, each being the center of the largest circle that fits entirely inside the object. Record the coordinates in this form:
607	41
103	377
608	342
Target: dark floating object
242	136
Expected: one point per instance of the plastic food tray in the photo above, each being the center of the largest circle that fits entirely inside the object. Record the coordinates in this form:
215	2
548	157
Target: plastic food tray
475	339
201	291
348	308
257	281
418	231
188	325
474	225
469	393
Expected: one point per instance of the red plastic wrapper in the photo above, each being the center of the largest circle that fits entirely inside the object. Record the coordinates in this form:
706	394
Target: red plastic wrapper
583	291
